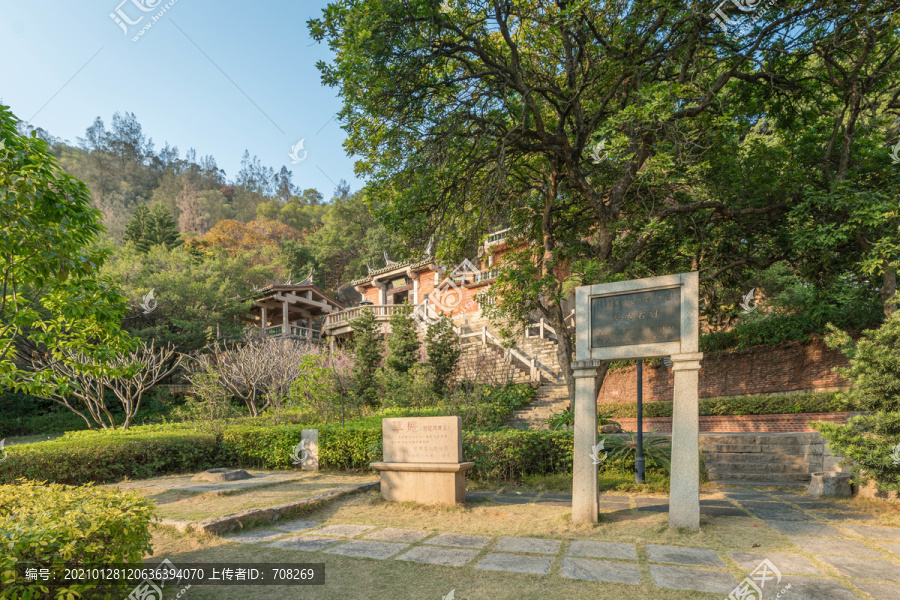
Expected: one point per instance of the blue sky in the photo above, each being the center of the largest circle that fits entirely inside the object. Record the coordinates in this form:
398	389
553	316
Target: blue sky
220	76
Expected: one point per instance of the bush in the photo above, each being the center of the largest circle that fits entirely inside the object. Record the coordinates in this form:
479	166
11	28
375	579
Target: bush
870	444
46	526
744	405
110	456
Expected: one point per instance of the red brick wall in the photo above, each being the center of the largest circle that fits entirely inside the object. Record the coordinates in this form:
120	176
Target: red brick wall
759	370
738	423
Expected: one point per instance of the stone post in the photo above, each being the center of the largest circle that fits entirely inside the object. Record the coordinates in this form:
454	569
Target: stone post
311	437
684	488
585	484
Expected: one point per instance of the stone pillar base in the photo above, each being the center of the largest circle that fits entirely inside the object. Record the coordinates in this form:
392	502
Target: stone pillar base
425	483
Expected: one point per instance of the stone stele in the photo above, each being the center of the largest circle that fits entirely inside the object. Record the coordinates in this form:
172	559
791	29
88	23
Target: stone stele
220	475
423	460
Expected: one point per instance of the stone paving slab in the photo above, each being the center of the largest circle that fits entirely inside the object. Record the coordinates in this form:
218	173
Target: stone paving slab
514	563
527	545
875	533
650	501
602	550
814	504
782	515
600	570
561	503
433	555
716	503
513	499
774	505
714	511
829	547
254	537
844	516
365	549
613	506
458	540
808	588
864	568
295	526
879	591
786	563
347	531
803	528
683	556
389	534
681	578
654	508
305	543
895	548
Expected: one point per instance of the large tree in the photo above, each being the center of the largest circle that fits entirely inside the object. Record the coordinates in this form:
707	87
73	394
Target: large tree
52	299
616	140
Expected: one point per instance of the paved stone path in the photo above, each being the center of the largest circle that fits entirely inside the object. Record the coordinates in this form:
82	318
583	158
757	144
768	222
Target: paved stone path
869	556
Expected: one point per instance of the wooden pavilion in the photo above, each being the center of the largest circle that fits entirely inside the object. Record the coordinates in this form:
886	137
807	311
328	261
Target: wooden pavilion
290	310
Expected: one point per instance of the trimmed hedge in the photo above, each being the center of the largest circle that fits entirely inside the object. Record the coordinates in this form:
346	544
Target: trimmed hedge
500	455
818	402
45	526
105	457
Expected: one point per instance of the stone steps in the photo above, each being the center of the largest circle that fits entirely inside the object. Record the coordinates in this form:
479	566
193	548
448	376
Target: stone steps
762	459
757	457
752	467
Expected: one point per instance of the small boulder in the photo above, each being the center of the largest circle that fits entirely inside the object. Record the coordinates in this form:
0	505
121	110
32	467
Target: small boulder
220	475
611	428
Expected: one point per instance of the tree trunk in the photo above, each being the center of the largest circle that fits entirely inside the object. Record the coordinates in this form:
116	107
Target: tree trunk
888	288
565	352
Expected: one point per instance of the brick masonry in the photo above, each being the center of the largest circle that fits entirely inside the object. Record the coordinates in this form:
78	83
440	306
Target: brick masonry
796	423
755	371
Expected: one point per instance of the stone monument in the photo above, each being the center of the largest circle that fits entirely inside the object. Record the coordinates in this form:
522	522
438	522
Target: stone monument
423	460
309	460
642	318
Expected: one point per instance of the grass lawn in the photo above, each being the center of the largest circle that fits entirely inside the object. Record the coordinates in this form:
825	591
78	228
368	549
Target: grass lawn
196	506
359	578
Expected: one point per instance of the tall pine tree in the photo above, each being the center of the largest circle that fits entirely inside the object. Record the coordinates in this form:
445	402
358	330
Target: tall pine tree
367	357
442	345
403	343
161	228
137	226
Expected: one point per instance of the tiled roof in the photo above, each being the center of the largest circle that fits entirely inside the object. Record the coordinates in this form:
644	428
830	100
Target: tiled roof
386	269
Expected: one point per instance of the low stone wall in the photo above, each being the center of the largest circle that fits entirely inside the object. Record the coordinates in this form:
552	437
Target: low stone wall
796	423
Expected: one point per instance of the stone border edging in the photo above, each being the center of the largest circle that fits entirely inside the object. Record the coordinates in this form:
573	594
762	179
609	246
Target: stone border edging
238	520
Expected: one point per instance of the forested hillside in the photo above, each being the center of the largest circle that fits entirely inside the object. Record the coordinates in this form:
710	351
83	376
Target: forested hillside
149	196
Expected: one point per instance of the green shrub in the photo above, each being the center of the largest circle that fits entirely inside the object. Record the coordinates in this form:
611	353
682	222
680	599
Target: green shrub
622	451
48	526
870	444
109	456
818	402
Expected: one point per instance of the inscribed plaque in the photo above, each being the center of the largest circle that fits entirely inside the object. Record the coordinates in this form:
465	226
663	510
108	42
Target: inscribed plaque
422	440
636	318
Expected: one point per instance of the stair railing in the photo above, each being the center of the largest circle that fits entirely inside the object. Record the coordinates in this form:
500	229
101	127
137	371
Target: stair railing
534	366
545	329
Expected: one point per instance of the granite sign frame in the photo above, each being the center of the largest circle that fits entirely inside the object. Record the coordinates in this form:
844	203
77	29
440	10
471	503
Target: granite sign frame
589	298
642	318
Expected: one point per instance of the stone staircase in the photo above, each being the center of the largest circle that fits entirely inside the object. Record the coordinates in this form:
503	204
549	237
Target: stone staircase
771	459
551	398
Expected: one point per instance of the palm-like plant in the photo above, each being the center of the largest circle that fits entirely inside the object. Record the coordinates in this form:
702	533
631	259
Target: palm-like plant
657	450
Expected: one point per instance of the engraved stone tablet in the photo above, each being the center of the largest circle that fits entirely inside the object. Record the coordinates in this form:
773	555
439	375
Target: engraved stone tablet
422	440
637	318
